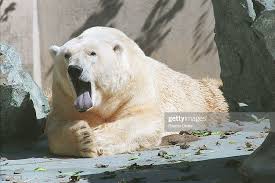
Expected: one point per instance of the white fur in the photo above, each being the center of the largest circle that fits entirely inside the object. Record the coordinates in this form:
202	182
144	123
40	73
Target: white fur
130	91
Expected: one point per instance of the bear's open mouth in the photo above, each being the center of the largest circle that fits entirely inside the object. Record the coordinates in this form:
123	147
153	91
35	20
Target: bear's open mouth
83	101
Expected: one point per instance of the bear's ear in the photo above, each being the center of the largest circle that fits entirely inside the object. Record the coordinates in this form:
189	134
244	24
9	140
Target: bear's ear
117	48
54	50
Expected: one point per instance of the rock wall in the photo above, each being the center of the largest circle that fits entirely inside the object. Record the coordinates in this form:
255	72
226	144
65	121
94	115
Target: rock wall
265	23
245	37
23	107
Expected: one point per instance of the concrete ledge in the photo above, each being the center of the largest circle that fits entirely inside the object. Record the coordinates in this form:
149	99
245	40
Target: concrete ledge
219	163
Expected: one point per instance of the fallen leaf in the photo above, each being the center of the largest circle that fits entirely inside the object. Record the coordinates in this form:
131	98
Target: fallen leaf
74	178
99	165
70	173
198	152
165	155
217	133
184	146
133	158
169	156
250	149
40	169
248	145
223	137
201	133
239	148
229	132
135	166
18	171
162	153
251	137
203	147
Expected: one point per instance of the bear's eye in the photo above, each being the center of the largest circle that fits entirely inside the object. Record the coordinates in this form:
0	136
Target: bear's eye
92	53
117	48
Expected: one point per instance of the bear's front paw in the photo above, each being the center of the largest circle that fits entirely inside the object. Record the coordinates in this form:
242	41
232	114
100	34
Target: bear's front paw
85	140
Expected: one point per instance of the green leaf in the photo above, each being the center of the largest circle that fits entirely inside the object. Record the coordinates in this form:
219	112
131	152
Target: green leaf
217	133
201	133
40	169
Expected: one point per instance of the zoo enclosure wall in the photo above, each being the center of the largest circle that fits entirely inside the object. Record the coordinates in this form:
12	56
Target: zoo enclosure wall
179	33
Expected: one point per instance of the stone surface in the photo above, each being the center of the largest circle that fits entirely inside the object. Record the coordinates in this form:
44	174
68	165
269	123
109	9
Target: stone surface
217	162
245	53
246	42
259	167
267	4
23	106
265	23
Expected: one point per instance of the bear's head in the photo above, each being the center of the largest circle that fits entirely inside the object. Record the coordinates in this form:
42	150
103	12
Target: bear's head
97	63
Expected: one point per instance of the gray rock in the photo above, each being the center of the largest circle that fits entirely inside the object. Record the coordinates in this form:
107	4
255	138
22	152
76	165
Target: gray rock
245	46
267	4
265	24
23	106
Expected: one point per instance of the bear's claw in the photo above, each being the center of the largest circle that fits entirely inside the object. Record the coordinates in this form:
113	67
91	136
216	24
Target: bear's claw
84	139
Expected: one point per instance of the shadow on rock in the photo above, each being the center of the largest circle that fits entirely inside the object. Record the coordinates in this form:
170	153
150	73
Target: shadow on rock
223	170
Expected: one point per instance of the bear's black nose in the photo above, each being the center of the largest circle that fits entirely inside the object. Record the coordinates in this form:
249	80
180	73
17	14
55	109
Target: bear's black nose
74	71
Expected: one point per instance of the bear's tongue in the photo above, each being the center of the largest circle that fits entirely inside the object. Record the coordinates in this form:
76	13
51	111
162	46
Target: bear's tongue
83	101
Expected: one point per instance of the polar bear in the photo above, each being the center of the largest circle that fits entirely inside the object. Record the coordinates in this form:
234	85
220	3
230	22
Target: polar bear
108	97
